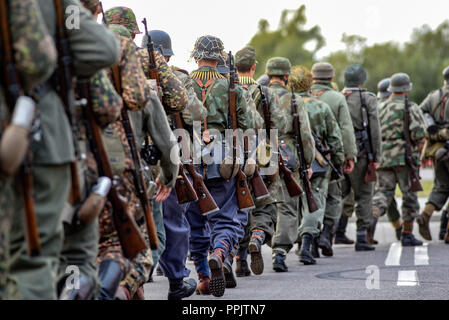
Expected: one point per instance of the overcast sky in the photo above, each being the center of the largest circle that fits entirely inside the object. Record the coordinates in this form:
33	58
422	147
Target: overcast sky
235	21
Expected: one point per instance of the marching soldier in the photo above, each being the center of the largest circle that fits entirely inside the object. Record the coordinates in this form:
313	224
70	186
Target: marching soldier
363	109
322	88
394	167
289	211
35	60
225	226
93	48
435	108
327	132
262	219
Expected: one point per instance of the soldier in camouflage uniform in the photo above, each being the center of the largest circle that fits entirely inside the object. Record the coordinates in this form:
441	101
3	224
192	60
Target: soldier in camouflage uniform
262	219
225	226
175	225
289	211
435	108
393	169
356	96
322	88
92	48
325	128
35	58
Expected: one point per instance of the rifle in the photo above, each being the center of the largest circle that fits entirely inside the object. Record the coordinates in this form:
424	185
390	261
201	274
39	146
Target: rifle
303	172
259	188
67	92
139	181
414	175
323	152
103	19
244	198
14	93
206	202
370	175
293	187
131	239
152	69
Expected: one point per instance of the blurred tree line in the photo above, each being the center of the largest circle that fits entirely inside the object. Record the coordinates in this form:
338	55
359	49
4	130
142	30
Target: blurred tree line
423	57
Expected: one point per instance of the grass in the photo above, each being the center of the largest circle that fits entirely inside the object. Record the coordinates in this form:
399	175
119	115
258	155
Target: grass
427	186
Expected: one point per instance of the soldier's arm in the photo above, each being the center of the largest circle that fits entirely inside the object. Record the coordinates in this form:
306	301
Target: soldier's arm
174	95
136	92
34	49
254	116
308	142
426	105
417	124
106	102
92	45
334	139
158	128
374	125
243	110
347	130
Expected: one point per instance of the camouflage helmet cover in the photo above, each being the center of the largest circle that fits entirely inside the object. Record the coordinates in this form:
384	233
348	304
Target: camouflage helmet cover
446	74
123	16
245	58
120	30
91	5
161	40
209	47
278	66
382	88
300	79
323	70
355	75
400	82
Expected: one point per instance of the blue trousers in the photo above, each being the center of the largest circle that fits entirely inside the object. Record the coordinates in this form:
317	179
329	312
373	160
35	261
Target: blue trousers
225	226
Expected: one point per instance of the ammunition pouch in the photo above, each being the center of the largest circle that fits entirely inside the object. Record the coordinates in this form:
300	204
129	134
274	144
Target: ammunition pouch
114	150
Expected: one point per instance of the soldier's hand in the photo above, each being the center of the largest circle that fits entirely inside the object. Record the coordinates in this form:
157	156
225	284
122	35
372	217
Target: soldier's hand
163	192
376	165
349	166
310	173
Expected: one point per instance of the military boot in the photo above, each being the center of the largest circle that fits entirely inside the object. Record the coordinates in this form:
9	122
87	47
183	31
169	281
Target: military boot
340	235
370	232
255	249
397	225
362	244
423	221
203	287
231	281
242	269
443	224
408	239
110	275
314	249
180	288
217	280
325	244
305	254
279	263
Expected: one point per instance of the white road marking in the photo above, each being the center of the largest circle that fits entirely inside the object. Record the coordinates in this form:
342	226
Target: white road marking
407	278
421	255
394	254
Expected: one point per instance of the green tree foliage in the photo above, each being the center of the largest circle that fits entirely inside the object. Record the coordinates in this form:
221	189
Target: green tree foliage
289	40
423	57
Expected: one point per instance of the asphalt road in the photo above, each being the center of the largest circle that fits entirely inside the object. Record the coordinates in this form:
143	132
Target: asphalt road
390	272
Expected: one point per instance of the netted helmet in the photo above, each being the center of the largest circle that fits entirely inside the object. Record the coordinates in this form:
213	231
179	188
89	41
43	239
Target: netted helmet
300	79
210	48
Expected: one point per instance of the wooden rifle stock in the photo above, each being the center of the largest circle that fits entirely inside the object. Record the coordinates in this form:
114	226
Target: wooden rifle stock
152	69
139	181
311	202
183	188
206	202
293	188
414	175
131	239
13	92
259	188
